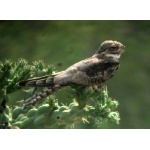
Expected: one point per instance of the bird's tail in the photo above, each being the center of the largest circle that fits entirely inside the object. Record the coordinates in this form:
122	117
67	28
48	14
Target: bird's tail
37	97
44	81
52	83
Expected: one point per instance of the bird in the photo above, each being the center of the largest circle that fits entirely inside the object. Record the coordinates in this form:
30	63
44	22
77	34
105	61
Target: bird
93	71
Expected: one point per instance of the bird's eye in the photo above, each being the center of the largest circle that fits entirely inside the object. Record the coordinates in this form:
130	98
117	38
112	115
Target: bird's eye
113	47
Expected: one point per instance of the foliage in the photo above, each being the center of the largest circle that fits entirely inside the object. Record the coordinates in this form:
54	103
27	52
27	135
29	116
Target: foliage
87	105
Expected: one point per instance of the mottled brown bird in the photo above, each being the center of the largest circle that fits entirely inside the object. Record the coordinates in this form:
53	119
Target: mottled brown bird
93	71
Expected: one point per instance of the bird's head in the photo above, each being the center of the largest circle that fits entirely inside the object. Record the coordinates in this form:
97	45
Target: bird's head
111	48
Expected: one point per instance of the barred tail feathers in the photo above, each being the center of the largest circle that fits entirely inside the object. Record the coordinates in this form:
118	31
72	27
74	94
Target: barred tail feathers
39	96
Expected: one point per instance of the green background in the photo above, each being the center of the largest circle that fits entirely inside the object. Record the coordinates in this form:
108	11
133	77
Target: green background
62	43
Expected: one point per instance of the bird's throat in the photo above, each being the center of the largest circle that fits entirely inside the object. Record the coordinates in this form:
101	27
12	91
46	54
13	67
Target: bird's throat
117	56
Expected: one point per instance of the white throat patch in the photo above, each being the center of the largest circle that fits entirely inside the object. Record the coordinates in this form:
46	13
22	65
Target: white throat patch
117	56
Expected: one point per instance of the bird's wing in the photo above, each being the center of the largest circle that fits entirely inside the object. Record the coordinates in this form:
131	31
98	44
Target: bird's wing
93	70
72	74
96	64
32	81
42	81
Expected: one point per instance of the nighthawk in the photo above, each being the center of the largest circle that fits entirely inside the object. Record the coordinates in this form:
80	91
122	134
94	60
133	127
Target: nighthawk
93	71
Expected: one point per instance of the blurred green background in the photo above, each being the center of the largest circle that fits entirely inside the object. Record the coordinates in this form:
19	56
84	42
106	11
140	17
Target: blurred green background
62	43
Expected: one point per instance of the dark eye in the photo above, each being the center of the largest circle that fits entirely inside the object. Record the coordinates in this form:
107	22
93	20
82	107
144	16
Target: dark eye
113	47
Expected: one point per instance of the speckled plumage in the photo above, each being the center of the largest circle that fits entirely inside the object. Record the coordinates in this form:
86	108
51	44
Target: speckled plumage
92	71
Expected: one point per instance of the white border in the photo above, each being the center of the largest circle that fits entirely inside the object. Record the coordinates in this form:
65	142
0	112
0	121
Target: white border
74	9
74	139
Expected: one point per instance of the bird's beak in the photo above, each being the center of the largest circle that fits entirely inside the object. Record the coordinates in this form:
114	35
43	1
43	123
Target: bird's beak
122	49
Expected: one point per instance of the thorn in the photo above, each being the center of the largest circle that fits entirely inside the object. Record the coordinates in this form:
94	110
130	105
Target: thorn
24	107
85	120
